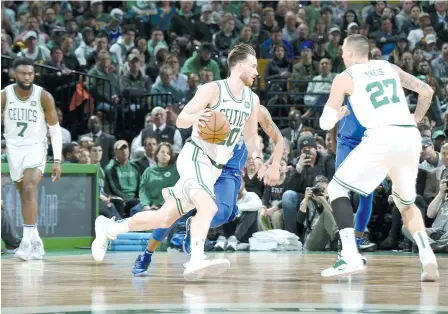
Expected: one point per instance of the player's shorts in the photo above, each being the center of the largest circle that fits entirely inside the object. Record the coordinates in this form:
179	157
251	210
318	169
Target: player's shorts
392	151
21	158
344	148
197	172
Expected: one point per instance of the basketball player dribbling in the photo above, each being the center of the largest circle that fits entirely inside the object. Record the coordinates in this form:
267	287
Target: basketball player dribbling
26	110
391	146
199	164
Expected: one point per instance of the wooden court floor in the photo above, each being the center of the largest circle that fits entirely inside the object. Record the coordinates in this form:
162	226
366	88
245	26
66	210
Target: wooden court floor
262	282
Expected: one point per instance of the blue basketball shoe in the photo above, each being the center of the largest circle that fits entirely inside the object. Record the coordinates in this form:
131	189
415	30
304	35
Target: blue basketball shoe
140	268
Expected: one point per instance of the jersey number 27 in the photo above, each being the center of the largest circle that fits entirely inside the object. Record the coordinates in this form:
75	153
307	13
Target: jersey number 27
377	90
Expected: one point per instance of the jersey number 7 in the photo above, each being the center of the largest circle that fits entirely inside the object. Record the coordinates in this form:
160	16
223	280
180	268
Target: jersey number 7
377	90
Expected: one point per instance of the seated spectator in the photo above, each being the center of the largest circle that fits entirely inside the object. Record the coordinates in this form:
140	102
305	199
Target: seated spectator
203	59
157	40
224	39
303	71
303	37
100	137
319	88
193	83
153	68
416	35
320	31
386	38
113	28
67	47
289	32
134	84
124	44
154	179
279	67
271	210
165	86
85	142
87	46
32	24
101	44
425	130
183	22
315	214
66	136
54	78
178	80
205	28
276	38
295	126
33	51
71	27
259	34
148	160
247	38
311	163
400	49
389	13
410	22
374	18
252	183
142	47
70	153
206	76
137	145
350	17
84	156
312	13
430	51
320	52
123	178
440	65
407	63
334	37
431	158
269	21
49	21
163	132
249	204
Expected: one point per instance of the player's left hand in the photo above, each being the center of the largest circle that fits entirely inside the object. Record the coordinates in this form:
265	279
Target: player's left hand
56	171
271	176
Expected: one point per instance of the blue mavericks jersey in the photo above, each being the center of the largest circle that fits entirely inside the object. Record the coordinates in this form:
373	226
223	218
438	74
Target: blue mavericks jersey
238	160
349	126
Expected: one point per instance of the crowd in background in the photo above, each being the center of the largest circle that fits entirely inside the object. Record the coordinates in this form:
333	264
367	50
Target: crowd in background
148	47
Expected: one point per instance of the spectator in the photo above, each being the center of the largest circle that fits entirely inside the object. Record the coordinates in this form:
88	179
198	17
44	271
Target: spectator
312	13
389	13
269	21
106	141
279	67
253	184
247	38
376	54
165	14
311	163
320	52
124	44
402	47
282	9
440	65
153	68
70	152
224	39
178	80
304	70
193	82
301	16
295	126
183	23
123	178
259	34
206	76
203	59
154	179
276	38
316	214
430	51
319	88
404	18
272	201
85	142
71	28
84	156
106	90
416	35
33	51
334	36
417	56
425	130
148	160
113	29
386	38
66	136
53	78
289	32
143	10
303	32
69	59
165	86
142	46
32	24
352	28
205	28
439	19
87	46
327	15
157	40
431	158
407	63
137	146
423	68
49	22
350	17
413	22
374	18
101	44
438	139
88	20
164	132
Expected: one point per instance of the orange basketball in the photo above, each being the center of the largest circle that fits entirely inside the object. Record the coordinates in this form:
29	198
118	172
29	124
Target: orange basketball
216	129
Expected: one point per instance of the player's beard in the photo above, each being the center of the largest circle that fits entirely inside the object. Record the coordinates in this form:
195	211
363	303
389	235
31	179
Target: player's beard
24	87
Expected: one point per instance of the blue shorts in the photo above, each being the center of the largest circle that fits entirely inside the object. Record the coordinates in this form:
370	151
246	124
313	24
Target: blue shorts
345	147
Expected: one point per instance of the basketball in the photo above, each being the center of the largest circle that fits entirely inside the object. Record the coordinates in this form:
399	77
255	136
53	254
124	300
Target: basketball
216	129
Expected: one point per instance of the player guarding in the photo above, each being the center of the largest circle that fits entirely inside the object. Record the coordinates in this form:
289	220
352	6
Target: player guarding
391	146
26	110
199	164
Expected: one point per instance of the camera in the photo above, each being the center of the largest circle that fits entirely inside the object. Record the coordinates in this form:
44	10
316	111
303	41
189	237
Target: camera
317	191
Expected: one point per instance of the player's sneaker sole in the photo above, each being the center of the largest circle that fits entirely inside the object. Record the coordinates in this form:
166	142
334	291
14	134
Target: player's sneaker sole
205	268
430	272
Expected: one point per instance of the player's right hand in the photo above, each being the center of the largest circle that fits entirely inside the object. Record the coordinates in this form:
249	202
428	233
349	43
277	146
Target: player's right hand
56	171
200	117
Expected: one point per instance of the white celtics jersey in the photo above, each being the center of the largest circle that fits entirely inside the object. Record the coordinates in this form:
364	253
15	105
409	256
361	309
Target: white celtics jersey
24	121
237	112
378	98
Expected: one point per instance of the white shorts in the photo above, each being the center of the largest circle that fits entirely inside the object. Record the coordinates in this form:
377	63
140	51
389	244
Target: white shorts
388	151
26	157
197	172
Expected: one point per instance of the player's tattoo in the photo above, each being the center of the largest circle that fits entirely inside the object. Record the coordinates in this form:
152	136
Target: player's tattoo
268	125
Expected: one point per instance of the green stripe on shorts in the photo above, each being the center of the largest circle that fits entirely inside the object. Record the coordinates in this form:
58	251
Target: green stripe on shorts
198	172
178	202
351	188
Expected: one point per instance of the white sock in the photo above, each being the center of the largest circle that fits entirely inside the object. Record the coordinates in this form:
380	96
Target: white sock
28	231
424	249
197	249
35	236
349	247
119	227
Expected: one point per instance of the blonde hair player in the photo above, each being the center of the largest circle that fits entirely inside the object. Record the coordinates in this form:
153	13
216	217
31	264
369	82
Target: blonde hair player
391	146
199	164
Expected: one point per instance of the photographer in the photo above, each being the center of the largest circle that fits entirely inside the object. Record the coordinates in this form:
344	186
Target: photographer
437	210
315	214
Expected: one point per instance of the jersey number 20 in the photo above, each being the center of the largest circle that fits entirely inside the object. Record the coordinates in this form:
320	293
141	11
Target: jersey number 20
377	90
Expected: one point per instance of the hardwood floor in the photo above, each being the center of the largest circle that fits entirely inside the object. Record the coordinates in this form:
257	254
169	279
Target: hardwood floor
262	282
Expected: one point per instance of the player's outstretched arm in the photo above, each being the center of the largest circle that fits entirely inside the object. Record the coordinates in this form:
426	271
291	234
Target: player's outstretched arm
196	112
423	90
51	117
333	110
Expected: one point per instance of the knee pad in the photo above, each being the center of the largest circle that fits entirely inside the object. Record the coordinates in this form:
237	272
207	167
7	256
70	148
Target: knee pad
335	191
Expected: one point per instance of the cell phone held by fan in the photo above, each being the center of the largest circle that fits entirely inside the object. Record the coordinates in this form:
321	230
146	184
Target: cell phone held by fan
307	153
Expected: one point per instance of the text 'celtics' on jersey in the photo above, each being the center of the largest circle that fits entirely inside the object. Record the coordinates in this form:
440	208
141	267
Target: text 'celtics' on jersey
24	121
378	98
237	112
